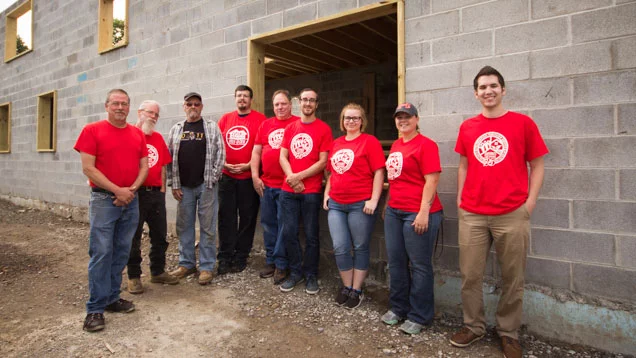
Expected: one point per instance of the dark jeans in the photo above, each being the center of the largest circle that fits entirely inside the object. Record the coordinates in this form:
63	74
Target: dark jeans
292	206
270	217
238	209
152	209
410	264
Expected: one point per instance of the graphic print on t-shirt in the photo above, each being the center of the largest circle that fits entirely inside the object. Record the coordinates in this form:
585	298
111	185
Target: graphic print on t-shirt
153	155
275	138
342	160
188	136
301	145
490	148
237	137
394	165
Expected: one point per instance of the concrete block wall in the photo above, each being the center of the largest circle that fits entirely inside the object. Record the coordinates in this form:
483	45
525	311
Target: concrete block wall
570	66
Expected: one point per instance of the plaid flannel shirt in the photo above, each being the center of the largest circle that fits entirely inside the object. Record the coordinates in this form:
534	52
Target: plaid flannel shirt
214	154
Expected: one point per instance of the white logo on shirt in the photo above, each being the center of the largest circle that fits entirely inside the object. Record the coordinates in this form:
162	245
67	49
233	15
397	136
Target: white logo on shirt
153	155
237	137
301	145
394	165
490	148
275	138
342	160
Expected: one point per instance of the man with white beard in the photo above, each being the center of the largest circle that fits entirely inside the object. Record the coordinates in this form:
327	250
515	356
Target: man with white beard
152	204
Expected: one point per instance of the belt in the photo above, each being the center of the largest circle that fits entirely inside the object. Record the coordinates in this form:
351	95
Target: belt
150	188
100	190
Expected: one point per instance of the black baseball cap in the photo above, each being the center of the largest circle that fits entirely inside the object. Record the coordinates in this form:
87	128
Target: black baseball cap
192	94
407	108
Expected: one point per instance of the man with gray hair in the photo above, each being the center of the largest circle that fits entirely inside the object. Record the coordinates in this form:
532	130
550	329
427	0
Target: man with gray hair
152	204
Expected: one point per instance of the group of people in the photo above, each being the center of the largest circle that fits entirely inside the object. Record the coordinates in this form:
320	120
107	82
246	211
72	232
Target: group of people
225	171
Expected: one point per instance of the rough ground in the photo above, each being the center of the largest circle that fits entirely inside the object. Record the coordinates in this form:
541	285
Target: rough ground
43	288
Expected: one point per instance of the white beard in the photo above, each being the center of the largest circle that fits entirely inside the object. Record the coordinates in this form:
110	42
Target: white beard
148	127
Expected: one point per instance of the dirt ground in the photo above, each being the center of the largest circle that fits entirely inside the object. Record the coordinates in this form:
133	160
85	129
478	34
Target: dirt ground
43	289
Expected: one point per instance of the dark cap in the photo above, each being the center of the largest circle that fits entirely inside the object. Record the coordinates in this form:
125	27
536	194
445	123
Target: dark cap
407	108
192	94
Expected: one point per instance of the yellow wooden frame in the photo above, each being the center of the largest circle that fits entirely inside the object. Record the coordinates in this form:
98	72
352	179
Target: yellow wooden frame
256	44
46	129
5	129
11	31
105	27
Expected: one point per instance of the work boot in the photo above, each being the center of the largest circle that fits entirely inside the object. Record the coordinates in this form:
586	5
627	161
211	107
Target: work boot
165	278
205	277
267	271
182	272
134	286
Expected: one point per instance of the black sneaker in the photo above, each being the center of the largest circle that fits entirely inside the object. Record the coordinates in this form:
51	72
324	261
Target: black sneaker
121	306
311	286
291	282
342	296
94	322
238	267
354	300
223	268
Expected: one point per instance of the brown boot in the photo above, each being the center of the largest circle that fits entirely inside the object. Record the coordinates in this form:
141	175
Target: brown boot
464	337
280	276
182	272
511	347
205	277
165	278
267	271
134	286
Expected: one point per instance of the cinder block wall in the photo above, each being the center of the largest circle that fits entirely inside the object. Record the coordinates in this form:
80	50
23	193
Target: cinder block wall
569	64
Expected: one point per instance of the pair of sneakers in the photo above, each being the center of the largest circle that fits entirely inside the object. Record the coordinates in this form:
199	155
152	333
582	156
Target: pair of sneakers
408	327
311	286
349	298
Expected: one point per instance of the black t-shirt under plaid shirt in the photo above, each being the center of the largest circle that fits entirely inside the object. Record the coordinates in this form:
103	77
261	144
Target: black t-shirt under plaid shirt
192	154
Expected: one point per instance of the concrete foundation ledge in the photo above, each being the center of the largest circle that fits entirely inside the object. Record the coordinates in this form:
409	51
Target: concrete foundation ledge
68	211
570	321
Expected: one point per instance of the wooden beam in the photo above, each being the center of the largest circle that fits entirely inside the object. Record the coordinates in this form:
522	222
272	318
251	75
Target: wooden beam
317	44
368	100
278	52
384	27
282	69
309	52
360	32
353	45
256	73
401	68
330	22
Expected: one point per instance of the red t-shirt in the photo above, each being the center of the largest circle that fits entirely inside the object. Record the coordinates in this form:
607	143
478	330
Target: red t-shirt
158	156
352	164
117	151
305	142
270	137
406	166
497	150
238	135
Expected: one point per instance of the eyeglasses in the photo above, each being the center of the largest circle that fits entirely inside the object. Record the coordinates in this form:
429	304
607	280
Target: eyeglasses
152	113
196	104
117	104
308	100
352	119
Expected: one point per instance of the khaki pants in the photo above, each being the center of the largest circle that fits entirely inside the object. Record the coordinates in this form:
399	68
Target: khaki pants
510	233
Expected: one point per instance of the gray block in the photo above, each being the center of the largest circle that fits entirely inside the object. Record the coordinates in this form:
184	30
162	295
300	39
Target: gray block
462	47
626	251
605	87
432	77
268	23
595	57
449	202
280	5
551	213
443	5
608	216
225	19
543	93
607	23
627	184
531	36
572	245
251	10
448	181
179	34
578	184
456	100
447	155
549	8
331	7
627	119
607	152
415	8
559	155
513	67
494	14
625	53
422	100
450	231
441	128
610	282
575	121
238	32
418	54
550	273
299	14
432	26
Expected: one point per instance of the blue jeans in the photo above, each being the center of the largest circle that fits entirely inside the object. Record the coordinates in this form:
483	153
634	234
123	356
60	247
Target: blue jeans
275	252
293	205
411	288
111	232
204	202
350	228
